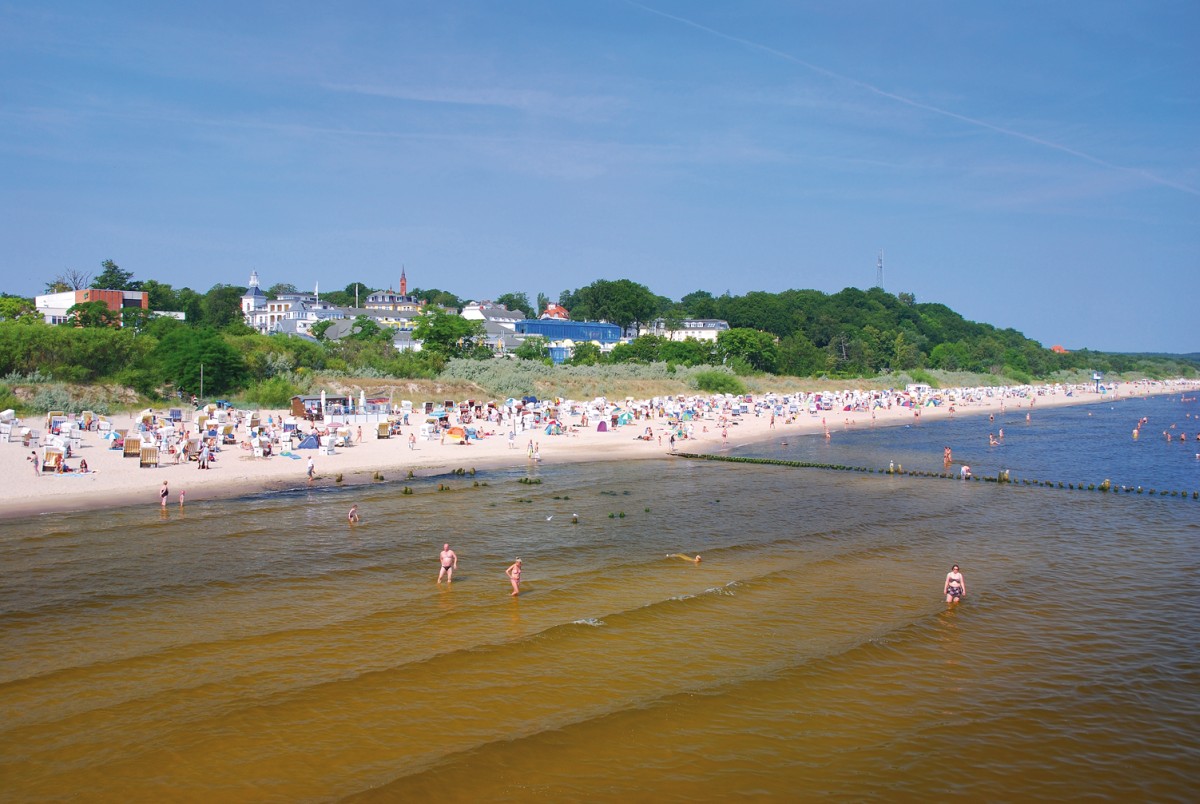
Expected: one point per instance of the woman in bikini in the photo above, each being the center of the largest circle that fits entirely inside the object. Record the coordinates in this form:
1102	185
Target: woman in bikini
955	586
514	577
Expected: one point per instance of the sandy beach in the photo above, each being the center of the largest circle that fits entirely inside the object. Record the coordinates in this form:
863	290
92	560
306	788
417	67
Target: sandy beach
115	481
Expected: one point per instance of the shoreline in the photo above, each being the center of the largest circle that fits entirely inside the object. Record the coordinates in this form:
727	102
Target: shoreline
117	482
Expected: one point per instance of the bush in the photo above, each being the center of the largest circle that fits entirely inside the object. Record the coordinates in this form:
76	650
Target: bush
58	397
718	382
9	400
918	375
1017	376
274	393
143	381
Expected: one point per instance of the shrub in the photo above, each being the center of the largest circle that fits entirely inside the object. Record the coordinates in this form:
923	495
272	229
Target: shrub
276	392
58	397
919	375
9	400
718	382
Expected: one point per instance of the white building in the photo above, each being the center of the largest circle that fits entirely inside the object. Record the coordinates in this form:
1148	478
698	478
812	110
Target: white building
53	306
293	313
701	329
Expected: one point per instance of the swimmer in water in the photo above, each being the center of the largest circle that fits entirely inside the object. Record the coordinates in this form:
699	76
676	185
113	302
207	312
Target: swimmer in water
695	560
353	516
955	586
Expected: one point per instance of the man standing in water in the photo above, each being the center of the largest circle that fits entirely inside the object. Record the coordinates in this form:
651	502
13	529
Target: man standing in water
955	586
449	564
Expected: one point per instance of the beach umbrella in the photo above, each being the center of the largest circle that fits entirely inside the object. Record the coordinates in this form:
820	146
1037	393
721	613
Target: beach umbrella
362	400
322	403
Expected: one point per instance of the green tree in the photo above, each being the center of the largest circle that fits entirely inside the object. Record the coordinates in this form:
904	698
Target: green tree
135	319
318	329
516	301
348	297
68	353
755	348
180	355
643	349
800	357
447	334
191	304
113	278
950	356
160	326
688	352
279	289
222	306
441	298
699	304
622	302
585	354
90	314
366	328
905	354
160	296
16	308
535	347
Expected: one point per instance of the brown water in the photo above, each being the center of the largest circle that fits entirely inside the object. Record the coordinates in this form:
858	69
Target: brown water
264	650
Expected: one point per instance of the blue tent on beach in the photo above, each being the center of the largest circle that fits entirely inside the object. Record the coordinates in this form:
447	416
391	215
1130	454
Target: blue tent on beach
310	441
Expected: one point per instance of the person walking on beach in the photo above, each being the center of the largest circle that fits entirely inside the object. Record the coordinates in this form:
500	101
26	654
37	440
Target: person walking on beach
412	440
162	495
37	465
955	586
310	470
514	577
449	564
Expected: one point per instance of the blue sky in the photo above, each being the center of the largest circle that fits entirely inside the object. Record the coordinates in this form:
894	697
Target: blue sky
1031	165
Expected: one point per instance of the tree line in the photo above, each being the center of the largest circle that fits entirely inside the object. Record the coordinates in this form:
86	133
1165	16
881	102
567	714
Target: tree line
849	334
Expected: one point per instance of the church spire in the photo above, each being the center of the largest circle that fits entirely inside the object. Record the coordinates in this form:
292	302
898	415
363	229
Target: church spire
403	282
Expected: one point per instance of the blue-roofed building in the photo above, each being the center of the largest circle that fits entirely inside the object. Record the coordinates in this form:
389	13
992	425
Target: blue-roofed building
554	329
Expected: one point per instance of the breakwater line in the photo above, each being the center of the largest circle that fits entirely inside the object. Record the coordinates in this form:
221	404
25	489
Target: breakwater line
1003	477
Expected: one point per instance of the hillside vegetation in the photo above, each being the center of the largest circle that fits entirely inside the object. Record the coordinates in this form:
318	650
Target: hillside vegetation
794	340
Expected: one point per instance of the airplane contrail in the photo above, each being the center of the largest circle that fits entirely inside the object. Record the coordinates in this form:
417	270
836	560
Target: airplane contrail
883	93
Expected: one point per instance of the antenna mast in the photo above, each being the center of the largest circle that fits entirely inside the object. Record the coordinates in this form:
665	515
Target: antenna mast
879	271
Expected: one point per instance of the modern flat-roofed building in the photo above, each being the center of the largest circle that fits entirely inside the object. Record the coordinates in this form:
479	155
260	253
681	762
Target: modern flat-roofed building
53	306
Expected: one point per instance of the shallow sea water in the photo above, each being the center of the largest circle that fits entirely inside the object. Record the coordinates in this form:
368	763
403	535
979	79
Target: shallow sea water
263	650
